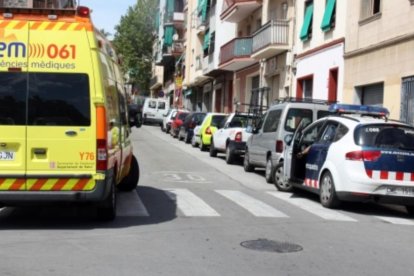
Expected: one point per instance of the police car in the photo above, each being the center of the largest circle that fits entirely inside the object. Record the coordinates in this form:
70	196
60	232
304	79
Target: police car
356	154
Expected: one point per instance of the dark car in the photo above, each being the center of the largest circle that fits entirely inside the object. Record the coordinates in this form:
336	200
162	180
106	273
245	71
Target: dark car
192	120
177	122
135	115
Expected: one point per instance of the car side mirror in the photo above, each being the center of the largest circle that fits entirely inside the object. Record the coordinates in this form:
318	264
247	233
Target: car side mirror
288	139
255	130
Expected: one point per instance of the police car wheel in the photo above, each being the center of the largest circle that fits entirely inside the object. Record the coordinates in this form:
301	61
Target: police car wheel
246	163
213	152
130	181
327	193
280	183
229	155
107	209
269	171
410	210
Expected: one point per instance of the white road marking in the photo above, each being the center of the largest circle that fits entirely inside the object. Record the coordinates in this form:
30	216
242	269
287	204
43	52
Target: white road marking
252	205
130	205
400	221
190	204
312	207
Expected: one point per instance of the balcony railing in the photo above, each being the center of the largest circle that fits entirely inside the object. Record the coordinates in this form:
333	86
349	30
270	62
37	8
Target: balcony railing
275	32
236	10
236	48
173	17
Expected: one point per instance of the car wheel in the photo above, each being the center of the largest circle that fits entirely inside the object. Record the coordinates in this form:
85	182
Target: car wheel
107	209
202	146
246	163
269	171
180	138
213	152
187	138
279	181
327	193
130	181
229	155
193	142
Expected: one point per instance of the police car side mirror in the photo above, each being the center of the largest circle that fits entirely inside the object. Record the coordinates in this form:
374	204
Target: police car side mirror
288	139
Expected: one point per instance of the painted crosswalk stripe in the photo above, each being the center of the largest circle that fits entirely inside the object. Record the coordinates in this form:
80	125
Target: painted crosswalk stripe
254	206
190	204
130	205
312	207
400	221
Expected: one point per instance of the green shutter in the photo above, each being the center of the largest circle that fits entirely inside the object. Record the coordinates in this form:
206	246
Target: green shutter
206	40
170	6
157	22
328	15
304	33
202	9
168	35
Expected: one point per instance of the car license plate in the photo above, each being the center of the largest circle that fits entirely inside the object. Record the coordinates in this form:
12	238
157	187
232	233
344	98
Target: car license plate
7	155
401	191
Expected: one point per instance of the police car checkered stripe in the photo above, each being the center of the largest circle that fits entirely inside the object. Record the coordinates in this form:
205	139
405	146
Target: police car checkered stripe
312	183
389	175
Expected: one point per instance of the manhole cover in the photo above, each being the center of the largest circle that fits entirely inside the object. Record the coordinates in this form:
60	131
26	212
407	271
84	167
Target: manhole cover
272	246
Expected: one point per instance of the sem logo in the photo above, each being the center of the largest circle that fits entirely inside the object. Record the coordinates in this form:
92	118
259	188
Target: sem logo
13	49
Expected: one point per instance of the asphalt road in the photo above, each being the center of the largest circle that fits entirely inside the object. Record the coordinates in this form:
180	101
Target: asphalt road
195	215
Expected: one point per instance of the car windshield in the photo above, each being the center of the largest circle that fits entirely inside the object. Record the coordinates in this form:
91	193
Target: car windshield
294	116
385	136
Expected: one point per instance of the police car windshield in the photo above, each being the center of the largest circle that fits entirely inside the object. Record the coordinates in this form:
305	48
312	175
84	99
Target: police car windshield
385	136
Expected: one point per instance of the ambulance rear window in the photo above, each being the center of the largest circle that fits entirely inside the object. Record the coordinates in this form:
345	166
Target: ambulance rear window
385	136
47	99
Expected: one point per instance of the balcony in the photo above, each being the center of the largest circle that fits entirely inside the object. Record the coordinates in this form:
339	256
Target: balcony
271	39
176	49
155	82
174	18
235	54
236	10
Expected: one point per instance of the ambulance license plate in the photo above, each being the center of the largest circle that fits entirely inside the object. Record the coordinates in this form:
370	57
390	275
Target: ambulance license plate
7	155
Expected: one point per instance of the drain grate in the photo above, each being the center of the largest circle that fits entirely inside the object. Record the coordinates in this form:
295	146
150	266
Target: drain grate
271	246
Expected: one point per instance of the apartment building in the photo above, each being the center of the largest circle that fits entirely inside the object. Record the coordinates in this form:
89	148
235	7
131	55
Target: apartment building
379	56
319	49
259	54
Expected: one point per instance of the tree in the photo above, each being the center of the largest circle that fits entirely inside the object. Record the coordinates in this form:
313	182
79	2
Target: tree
133	41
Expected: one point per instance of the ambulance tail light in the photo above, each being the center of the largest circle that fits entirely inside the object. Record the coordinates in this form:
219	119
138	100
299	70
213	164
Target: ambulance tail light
208	131
279	146
83	11
238	137
101	139
363	155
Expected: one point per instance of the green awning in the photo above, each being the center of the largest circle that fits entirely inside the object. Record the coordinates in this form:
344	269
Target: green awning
170	6
304	33
328	15
202	9
168	35
206	40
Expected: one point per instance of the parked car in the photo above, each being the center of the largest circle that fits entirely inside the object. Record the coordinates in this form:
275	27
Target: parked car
356	156
195	140
177	122
265	146
232	137
211	122
186	131
135	115
154	110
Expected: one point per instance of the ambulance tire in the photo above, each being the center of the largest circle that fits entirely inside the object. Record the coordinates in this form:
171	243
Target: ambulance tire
107	209
280	183
130	181
327	193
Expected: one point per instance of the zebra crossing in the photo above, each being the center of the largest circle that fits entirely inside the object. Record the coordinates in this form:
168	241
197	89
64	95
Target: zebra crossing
189	204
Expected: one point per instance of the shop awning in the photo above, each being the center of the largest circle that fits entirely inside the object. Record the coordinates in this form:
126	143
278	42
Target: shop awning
328	15
305	31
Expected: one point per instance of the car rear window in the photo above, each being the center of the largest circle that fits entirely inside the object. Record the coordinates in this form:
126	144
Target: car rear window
294	116
385	136
58	99
216	120
240	120
182	116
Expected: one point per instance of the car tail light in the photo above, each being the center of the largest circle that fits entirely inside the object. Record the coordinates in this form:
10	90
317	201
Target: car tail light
238	137
208	131
101	139
363	155
279	146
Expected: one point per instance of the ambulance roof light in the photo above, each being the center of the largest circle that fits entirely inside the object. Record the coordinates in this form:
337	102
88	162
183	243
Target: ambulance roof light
83	11
359	109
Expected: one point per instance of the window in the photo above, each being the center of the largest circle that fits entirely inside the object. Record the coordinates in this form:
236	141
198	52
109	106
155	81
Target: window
385	136
328	21
13	89
370	8
152	104
161	105
305	87
294	116
212	45
272	121
306	31
407	100
329	131
216	120
371	94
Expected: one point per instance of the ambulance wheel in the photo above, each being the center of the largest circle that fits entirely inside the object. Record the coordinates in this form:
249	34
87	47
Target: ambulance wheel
213	152
107	209
327	193
410	210
130	181
269	171
280	183
246	163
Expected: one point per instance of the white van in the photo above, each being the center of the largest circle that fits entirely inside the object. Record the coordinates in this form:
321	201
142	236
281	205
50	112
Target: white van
154	110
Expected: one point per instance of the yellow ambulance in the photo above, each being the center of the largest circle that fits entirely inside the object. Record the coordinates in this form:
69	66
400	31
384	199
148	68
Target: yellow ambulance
64	132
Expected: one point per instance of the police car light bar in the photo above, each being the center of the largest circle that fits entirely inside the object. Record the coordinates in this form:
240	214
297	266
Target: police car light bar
359	109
